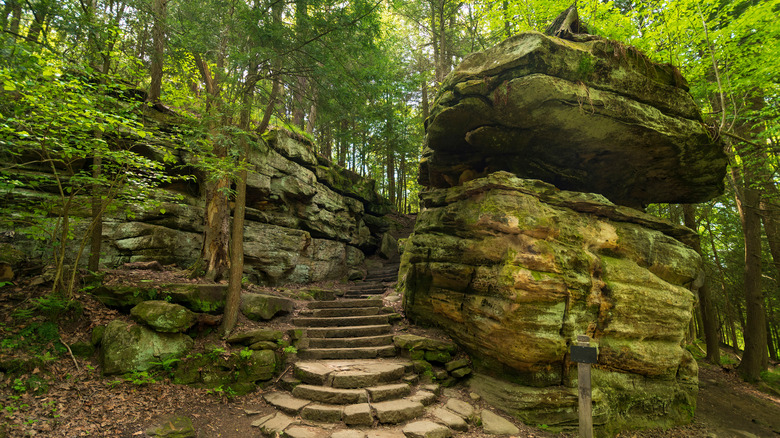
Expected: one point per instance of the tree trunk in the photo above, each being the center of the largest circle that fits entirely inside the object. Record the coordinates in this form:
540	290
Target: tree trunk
312	115
236	273
40	15
158	36
390	167
7	11
327	143
16	17
754	359
705	302
343	143
425	107
298	102
507	21
217	214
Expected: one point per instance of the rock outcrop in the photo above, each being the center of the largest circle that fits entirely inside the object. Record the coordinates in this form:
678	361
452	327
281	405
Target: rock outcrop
593	116
307	219
514	269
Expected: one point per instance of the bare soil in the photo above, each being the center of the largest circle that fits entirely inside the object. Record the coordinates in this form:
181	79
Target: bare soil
81	402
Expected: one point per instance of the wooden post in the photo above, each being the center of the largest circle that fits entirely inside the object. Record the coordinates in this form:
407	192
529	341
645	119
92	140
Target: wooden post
583	378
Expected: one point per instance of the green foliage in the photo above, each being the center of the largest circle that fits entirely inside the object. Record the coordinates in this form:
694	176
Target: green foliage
222	392
36	337
140	378
245	354
290	350
167	365
215	353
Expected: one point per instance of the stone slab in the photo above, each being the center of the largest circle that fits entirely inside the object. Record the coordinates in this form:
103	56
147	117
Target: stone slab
388	392
426	429
285	402
304	432
348	434
358	414
450	419
275	425
336	396
425	397
461	408
322	413
346	321
347	332
361	341
350	373
397	411
347	353
344	303
493	424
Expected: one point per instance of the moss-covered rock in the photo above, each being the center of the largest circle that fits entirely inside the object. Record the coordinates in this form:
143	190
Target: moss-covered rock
421	343
257	335
203	298
513	270
580	115
128	347
261	307
241	371
123	297
163	316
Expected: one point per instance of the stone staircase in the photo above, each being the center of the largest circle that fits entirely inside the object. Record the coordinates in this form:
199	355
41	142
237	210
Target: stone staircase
347	370
375	282
345	329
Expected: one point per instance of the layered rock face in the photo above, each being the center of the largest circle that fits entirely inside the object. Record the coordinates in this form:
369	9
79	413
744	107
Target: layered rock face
515	269
536	150
591	116
307	219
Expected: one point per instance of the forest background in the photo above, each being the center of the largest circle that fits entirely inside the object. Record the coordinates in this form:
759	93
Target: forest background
358	78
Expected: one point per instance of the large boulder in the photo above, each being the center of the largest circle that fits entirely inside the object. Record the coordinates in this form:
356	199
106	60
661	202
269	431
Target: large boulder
128	347
262	307
514	269
594	116
163	316
206	298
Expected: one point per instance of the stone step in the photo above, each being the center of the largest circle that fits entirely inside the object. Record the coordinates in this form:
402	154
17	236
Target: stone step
351	373
343	303
286	402
397	411
362	294
382	278
388	392
342	311
322	413
344	321
329	395
347	332
347	353
363	341
360	287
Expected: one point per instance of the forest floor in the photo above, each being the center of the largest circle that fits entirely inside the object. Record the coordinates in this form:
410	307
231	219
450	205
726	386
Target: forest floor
67	396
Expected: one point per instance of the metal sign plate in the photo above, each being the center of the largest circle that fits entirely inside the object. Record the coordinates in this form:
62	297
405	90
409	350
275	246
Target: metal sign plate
584	354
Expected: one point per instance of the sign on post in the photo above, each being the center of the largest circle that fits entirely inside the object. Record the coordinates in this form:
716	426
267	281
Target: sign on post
584	355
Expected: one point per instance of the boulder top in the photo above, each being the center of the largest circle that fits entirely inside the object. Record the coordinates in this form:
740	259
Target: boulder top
591	116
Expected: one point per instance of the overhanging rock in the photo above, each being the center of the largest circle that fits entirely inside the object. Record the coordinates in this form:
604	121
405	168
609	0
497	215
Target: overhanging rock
591	116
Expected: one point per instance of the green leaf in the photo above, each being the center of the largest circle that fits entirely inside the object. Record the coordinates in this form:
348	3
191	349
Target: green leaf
9	86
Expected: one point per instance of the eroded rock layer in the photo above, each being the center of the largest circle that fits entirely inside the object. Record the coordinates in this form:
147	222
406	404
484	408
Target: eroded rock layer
592	116
514	269
307	219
